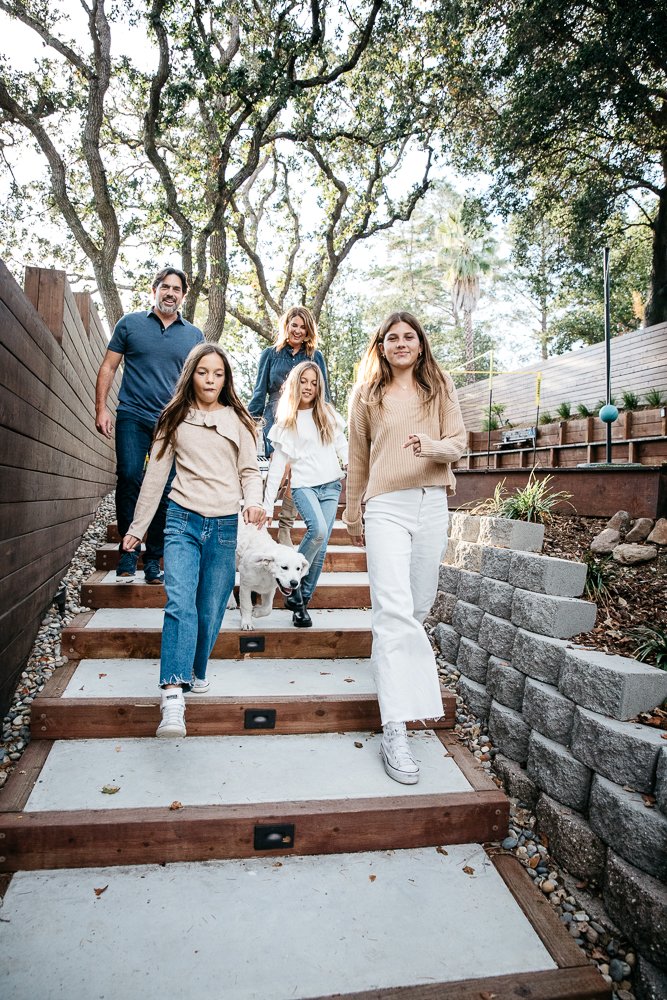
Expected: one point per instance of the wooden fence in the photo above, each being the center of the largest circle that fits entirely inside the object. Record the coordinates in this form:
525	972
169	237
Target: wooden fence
54	466
638	363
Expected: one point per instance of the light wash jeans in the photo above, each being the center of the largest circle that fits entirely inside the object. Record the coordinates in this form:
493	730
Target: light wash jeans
317	506
199	570
406	535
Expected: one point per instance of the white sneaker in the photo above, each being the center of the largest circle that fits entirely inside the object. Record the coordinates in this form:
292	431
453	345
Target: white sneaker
200	685
173	714
396	755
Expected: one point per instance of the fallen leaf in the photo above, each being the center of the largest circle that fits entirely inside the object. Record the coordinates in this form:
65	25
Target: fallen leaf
468	870
581	885
101	676
442	851
118	749
98	892
649	801
358	745
110	789
371	878
485	995
176	805
277	864
349	680
534	861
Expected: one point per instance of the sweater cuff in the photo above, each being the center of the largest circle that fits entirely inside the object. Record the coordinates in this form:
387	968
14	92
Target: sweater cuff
354	528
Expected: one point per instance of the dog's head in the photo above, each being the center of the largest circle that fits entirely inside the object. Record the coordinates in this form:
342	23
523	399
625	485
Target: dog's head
288	567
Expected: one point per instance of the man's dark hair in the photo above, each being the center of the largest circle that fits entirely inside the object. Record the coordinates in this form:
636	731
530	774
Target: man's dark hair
165	272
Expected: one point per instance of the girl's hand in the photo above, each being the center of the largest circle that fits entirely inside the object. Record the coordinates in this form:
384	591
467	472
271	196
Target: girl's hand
358	540
414	443
255	515
130	542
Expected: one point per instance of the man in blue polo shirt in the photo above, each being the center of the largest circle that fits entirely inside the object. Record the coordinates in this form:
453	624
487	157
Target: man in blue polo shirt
154	345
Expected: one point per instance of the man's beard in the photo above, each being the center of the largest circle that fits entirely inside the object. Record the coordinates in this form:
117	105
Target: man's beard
167	308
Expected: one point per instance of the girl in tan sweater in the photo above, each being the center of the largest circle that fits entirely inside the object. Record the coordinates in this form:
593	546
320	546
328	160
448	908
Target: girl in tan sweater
405	430
210	436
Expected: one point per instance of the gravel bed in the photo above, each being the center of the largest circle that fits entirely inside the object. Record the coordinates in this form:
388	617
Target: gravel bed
46	652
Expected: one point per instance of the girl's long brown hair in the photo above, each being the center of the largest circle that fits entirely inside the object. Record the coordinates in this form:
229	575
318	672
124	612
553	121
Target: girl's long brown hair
183	399
290	397
310	342
375	371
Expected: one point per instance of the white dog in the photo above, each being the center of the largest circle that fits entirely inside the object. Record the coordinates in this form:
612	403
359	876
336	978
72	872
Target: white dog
264	566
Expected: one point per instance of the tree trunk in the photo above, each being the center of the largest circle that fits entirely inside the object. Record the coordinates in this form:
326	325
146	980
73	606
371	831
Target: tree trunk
106	284
543	328
215	322
656	307
470	345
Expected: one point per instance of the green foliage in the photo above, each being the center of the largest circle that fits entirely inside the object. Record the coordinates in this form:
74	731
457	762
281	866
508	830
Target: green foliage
490	423
533	502
546	418
564	410
603	402
652	645
498	409
599	578
655	397
583	411
630	400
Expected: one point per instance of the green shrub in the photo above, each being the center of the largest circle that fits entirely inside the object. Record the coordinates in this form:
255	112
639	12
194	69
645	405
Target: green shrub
652	645
583	411
564	410
498	408
546	418
654	397
603	402
533	502
491	423
599	576
630	400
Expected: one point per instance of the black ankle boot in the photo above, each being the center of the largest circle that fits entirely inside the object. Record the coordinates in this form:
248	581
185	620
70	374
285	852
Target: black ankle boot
293	602
301	618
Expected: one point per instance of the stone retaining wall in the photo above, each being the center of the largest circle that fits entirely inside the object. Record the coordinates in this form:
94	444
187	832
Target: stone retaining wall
560	716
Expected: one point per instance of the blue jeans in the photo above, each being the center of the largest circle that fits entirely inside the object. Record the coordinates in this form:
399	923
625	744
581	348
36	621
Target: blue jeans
133	442
317	506
199	558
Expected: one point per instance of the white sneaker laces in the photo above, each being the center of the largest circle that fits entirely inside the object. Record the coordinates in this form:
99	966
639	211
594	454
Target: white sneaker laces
173	711
395	742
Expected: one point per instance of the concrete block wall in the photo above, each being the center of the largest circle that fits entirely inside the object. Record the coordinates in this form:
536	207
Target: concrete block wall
561	716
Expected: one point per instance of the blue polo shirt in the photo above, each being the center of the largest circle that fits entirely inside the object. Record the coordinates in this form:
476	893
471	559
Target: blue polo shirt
153	356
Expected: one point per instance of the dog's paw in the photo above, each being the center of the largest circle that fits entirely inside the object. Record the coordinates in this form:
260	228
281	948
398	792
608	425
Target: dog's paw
259	611
247	626
231	604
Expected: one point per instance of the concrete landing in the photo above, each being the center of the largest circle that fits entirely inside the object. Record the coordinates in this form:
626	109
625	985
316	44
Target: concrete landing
264	929
151	618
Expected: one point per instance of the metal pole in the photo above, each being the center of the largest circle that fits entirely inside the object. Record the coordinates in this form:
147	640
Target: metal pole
607	340
488	436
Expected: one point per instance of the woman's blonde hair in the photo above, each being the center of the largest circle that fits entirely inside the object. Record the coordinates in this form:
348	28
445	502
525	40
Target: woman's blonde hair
310	342
184	400
324	414
375	372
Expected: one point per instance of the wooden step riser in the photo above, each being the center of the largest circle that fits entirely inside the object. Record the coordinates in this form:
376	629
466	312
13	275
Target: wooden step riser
334	561
139	595
145	643
98	718
76	839
339	535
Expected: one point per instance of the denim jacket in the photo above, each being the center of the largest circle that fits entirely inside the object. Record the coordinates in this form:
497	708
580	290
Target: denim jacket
274	367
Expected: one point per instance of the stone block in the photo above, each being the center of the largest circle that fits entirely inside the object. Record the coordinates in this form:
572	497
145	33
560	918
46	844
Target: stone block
605	542
558	617
547	575
637	903
650	982
505	684
497	636
659	534
624	822
515	780
472	660
538	656
448	640
508	534
464	527
467	618
661	781
557	772
571	840
495	597
468	556
496	562
475	696
468	588
443	609
640	530
611	685
548	711
448	579
624	752
449	558
509	732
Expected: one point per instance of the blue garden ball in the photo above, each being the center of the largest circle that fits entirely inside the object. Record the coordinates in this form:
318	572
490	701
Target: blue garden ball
608	414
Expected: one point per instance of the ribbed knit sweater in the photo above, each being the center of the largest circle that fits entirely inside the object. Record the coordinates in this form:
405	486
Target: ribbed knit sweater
379	463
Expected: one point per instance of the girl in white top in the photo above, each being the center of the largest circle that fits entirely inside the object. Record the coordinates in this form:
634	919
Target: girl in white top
308	433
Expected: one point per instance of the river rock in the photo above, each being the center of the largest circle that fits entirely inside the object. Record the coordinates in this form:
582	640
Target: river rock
659	534
630	555
605	542
640	530
621	521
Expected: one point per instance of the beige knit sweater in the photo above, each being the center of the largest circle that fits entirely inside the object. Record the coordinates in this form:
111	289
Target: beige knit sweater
216	467
378	461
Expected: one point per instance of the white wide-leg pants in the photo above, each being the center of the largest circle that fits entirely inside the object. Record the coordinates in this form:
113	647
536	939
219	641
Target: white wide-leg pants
406	535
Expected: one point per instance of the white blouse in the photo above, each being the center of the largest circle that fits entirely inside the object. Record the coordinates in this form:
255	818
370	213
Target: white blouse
312	462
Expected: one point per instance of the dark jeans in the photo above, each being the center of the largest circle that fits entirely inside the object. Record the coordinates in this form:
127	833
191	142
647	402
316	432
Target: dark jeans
133	442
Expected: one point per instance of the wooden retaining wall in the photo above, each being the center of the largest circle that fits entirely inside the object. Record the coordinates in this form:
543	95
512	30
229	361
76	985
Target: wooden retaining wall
54	466
638	363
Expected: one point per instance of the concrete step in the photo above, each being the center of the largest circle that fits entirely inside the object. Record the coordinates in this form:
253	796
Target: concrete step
339	558
205	797
137	633
339	534
106	590
454	924
114	698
